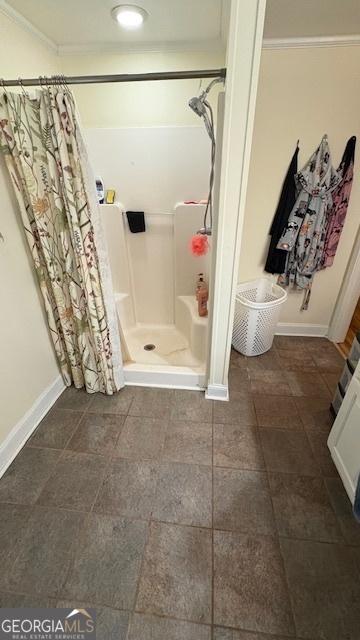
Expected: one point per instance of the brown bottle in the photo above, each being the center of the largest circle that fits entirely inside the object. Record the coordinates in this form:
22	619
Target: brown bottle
202	298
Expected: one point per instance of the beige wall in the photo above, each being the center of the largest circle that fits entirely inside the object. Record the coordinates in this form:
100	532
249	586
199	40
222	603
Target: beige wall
143	103
303	93
27	362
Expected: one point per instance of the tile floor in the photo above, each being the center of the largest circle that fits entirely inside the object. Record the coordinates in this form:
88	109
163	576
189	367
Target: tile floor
180	519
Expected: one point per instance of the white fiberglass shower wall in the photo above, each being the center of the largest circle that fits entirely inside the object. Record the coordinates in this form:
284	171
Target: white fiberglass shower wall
156	169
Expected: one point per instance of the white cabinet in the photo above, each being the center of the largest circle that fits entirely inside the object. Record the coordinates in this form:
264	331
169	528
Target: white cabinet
344	438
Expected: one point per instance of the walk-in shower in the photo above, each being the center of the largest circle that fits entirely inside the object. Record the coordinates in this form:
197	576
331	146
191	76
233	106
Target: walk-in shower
163	171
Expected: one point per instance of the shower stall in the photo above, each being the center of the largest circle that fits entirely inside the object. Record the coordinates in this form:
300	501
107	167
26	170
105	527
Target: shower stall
164	340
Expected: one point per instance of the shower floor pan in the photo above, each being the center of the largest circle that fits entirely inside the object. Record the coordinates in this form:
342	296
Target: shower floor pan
169	355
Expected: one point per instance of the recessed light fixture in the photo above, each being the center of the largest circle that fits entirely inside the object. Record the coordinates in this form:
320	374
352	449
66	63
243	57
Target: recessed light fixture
129	16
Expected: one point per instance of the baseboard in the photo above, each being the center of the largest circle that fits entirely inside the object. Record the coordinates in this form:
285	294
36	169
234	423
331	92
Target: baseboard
20	433
300	329
217	392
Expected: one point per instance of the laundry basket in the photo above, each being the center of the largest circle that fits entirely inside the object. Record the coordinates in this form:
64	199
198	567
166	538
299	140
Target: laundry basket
257	310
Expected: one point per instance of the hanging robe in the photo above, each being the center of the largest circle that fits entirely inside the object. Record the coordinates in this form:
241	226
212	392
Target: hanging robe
341	196
304	236
276	259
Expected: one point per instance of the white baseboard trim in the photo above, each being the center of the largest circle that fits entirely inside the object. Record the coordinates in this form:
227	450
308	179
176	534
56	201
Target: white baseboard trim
300	329
20	433
217	392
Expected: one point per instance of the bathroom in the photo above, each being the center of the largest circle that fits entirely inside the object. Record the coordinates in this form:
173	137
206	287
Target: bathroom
190	492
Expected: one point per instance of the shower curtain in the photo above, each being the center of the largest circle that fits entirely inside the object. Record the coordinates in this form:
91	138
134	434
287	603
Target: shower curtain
46	159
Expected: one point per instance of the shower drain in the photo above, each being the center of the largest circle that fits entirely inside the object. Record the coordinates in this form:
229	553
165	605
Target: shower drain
149	347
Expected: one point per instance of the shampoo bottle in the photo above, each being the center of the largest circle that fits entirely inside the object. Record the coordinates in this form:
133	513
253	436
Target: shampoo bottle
202	299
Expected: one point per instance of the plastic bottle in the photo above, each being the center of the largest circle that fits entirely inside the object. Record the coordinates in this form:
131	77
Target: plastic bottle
202	298
199	284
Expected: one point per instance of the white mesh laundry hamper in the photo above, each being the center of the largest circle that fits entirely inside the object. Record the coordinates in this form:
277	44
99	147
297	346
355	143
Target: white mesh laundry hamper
257	310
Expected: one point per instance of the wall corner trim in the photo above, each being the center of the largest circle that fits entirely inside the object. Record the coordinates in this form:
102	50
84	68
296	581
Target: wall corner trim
21	21
300	329
20	433
217	392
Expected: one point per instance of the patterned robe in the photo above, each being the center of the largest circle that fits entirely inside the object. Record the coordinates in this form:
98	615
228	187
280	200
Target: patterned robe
341	196
304	236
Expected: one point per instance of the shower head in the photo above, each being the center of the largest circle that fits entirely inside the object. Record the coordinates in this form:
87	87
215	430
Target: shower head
197	105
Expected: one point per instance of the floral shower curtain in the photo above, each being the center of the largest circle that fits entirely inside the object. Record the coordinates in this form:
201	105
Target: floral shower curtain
47	162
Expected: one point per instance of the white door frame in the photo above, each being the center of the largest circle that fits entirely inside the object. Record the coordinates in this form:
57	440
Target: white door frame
243	61
347	298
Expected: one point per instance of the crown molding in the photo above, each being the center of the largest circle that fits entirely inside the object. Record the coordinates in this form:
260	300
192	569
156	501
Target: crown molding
21	21
208	46
314	41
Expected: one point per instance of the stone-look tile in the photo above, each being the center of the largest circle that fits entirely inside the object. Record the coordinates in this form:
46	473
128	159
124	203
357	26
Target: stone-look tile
111	624
277	411
176	573
191	405
288	452
320	449
242	501
13	520
304	384
315	413
290	360
18	600
356	553
250	589
184	495
107	564
152	403
56	429
239	410
97	433
328	361
237	447
141	438
269	383
302	508
128	489
233	634
238	360
119	402
295	343
325	589
75	482
74	400
45	552
350	527
188	442
318	344
239	381
268	361
145	627
26	476
331	380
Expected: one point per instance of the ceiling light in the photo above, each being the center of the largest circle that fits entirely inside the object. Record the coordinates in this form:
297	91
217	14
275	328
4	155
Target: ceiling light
129	16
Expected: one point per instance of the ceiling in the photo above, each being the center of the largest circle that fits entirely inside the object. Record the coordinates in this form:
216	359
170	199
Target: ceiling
86	25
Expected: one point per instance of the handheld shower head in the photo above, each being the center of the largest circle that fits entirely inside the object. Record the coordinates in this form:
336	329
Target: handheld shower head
197	105
202	108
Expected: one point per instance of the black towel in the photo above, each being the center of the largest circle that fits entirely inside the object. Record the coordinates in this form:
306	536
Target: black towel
276	259
136	220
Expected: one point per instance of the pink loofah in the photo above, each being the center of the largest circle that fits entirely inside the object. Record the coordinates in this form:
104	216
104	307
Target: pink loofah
199	245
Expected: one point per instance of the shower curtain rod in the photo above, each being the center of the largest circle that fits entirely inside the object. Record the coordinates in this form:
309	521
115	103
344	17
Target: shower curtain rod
122	77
